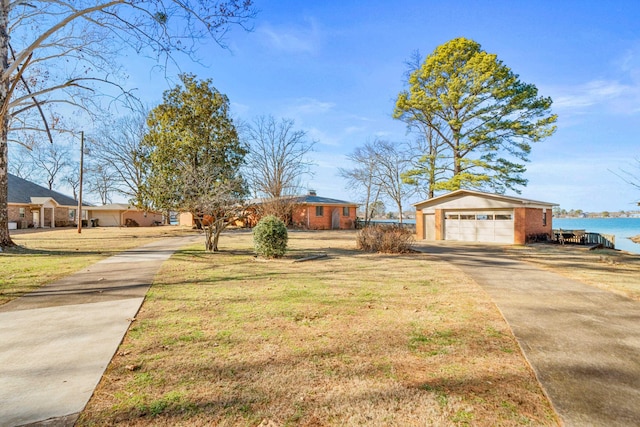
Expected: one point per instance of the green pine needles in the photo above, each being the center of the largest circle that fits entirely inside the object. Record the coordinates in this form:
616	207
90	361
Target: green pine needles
270	237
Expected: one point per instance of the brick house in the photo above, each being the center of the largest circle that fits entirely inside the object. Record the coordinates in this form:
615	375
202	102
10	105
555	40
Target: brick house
322	213
310	212
31	205
473	216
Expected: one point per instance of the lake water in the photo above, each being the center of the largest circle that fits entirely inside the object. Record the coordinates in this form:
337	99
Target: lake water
622	228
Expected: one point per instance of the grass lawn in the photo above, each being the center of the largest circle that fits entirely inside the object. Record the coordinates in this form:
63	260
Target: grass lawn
614	271
44	256
348	339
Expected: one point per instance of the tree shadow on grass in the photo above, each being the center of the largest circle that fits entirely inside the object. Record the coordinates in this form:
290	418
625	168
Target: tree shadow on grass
20	251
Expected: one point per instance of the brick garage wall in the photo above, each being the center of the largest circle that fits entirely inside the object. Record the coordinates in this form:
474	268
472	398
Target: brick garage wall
419	225
439	220
528	221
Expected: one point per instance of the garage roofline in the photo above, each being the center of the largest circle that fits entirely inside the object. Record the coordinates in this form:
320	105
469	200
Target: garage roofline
512	199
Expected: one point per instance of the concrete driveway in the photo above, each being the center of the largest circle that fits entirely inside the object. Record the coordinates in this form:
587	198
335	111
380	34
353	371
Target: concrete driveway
57	341
582	342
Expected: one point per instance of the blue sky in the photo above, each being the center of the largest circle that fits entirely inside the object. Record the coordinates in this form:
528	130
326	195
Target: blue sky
336	67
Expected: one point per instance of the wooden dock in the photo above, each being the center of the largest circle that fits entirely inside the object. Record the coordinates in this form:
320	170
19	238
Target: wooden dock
582	237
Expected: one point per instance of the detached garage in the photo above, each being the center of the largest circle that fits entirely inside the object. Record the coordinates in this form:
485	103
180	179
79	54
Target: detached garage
117	215
473	216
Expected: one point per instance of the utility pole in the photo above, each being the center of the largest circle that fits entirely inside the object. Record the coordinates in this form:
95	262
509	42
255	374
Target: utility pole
80	191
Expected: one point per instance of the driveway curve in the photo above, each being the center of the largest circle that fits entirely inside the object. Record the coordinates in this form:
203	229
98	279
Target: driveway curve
582	342
57	341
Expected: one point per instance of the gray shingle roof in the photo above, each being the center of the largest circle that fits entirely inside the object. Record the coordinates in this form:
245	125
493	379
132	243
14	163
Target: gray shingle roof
317	200
21	191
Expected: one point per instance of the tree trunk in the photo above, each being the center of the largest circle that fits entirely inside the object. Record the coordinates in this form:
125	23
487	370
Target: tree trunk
5	239
216	237
208	239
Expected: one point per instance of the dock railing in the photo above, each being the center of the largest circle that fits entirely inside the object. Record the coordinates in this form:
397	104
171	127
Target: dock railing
582	237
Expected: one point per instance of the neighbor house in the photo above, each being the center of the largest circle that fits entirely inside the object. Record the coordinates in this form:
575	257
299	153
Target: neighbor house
32	205
122	215
473	216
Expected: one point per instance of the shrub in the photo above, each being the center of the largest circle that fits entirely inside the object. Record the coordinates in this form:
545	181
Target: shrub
270	237
127	223
390	239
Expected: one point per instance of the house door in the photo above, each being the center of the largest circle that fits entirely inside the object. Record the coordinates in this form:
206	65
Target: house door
335	219
36	218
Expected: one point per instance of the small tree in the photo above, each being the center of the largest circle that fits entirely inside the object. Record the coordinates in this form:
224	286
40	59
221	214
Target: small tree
270	237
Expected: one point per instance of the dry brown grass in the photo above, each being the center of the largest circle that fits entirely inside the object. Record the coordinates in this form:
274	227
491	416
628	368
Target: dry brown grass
615	271
349	339
43	256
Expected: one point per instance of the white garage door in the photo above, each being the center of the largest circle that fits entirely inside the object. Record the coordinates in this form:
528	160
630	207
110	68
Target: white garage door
490	226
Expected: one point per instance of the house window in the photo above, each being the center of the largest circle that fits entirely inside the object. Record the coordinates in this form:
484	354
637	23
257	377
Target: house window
544	218
72	214
345	211
21	212
319	210
503	217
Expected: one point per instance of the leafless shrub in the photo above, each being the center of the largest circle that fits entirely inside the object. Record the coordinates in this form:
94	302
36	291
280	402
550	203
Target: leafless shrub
391	239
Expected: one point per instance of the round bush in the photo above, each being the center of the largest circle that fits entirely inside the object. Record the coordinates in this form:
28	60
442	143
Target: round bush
270	237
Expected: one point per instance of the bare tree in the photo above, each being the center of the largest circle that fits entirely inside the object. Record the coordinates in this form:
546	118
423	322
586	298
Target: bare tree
50	160
72	179
20	163
630	177
100	181
118	148
362	179
65	52
391	162
428	164
278	156
380	167
276	162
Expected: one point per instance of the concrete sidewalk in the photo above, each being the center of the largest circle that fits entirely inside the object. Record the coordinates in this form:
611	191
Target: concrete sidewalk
582	342
56	342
